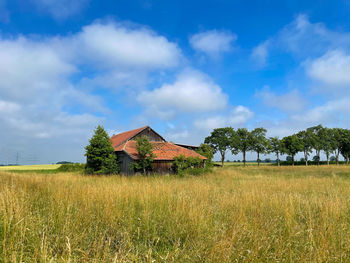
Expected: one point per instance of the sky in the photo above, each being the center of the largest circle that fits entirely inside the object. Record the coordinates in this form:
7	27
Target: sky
182	67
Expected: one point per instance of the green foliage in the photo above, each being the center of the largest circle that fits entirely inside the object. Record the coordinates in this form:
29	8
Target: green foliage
275	146
308	140
71	167
316	138
146	156
259	143
181	164
207	151
100	156
243	142
345	144
291	145
328	142
220	140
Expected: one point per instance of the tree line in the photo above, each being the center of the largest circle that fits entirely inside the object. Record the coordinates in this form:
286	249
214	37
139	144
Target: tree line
317	138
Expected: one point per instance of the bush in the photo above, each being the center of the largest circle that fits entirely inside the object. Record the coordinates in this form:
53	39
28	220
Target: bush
181	163
71	167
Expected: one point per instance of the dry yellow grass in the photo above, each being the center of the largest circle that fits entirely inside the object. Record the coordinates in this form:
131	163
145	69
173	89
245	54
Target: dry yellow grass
251	214
30	167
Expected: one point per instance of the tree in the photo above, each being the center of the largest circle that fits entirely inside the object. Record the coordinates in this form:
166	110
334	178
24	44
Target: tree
259	143
291	145
243	142
220	141
275	147
206	150
100	156
316	141
145	153
308	139
338	136
345	144
328	143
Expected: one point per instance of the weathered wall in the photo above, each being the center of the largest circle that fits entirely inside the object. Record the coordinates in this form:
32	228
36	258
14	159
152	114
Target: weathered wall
162	166
152	136
124	161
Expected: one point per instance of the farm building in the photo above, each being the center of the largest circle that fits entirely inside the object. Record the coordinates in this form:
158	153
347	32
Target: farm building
125	148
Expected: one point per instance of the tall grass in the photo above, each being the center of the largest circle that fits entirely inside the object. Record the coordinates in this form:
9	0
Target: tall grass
266	214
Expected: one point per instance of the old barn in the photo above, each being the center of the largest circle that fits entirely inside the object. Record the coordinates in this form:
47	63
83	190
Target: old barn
125	148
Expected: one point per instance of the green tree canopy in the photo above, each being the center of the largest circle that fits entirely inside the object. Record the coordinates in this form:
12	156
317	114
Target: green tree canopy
328	141
307	137
146	156
220	140
207	151
316	139
259	143
275	146
345	144
100	155
291	145
243	142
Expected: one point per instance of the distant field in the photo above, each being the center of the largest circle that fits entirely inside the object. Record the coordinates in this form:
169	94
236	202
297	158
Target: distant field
31	167
241	163
235	214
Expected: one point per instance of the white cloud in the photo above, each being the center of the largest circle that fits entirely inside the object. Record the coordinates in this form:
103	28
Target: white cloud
302	39
8	107
114	45
333	68
213	42
29	68
46	106
237	117
60	9
289	102
191	92
331	112
261	53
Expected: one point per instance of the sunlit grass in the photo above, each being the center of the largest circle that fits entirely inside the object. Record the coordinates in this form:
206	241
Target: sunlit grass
252	214
30	167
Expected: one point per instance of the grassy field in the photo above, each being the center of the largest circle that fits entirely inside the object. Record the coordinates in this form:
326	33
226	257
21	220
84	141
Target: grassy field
30	167
234	214
241	163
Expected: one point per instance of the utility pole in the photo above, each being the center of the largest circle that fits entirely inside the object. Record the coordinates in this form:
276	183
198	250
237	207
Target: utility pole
17	157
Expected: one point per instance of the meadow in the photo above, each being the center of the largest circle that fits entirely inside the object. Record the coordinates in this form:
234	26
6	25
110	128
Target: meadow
233	214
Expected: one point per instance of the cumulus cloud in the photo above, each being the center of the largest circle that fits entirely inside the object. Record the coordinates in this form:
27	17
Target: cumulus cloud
333	68
213	42
303	39
44	103
238	116
112	44
60	9
331	112
289	102
260	53
29	68
192	91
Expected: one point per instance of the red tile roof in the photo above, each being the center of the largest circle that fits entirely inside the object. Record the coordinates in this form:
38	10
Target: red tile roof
120	138
165	151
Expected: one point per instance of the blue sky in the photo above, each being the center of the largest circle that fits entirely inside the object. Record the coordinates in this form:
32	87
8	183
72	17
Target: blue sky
183	67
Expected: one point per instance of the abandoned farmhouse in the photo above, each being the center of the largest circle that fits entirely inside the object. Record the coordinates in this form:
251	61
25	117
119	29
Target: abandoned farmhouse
125	148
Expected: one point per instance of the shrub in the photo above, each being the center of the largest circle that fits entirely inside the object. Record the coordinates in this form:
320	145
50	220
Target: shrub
71	167
181	164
